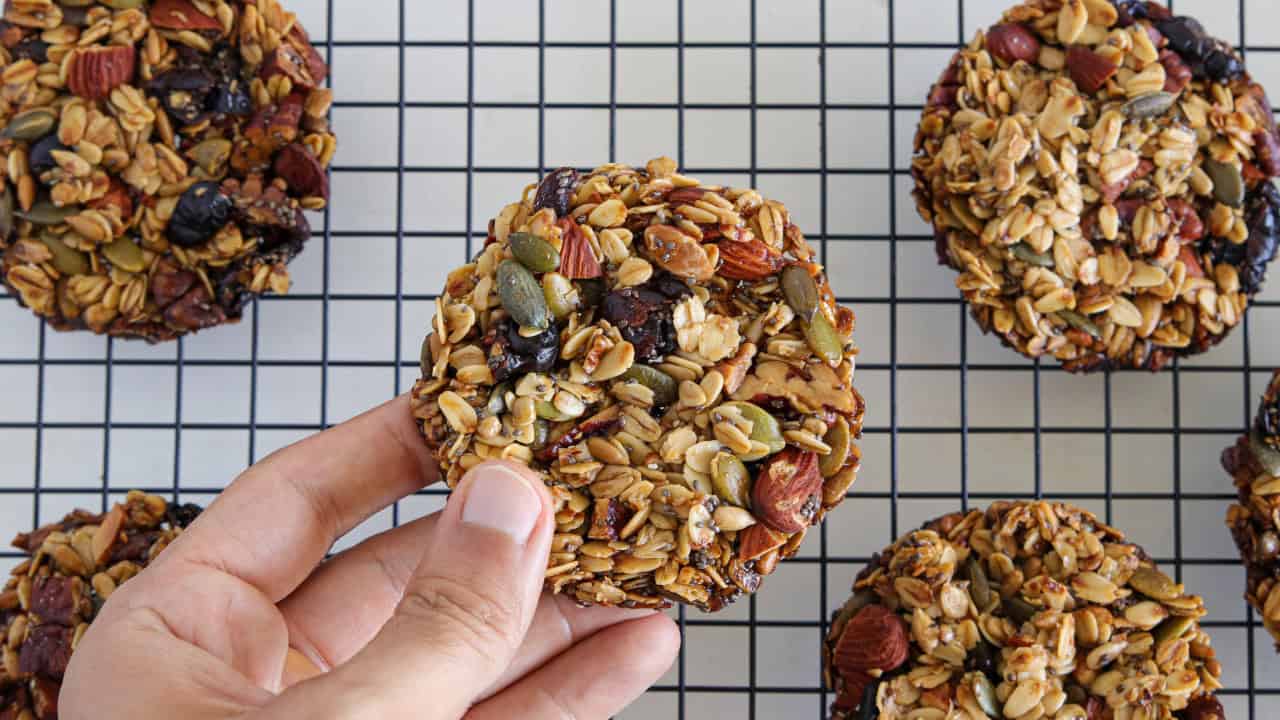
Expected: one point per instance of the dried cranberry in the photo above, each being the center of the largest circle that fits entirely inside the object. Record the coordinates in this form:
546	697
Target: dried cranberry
556	191
134	548
513	354
643	316
182	515
201	212
46	651
40	157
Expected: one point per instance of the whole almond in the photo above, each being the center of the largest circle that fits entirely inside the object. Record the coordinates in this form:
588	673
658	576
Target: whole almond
1012	42
95	71
787	491
875	639
1088	69
750	260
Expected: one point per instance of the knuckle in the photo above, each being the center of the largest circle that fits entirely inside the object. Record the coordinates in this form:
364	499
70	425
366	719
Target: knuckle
460	618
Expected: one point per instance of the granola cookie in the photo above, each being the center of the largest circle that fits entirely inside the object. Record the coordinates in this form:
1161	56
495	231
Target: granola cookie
1254	464
50	599
670	357
160	155
1099	174
1025	610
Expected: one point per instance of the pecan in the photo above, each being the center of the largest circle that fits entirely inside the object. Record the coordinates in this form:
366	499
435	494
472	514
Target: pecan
272	128
1189	258
678	253
1012	42
577	258
302	171
735	369
95	71
1088	69
1176	73
169	283
194	310
46	651
58	600
287	60
181	15
787	489
751	260
1190	226
874	639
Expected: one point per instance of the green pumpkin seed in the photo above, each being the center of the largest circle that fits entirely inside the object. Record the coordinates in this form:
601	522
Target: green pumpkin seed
66	259
46	213
547	411
838	438
561	296
1268	456
6	214
534	253
521	296
764	428
498	399
541	432
979	585
1023	252
1020	610
425	361
1149	105
1154	584
801	292
730	480
125	254
823	340
30	125
1173	628
1080	322
986	695
1228	184
212	155
664	387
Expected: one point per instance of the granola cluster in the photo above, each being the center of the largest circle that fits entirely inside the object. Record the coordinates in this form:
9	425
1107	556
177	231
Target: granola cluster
50	599
1254	464
157	158
1099	174
1026	610
670	357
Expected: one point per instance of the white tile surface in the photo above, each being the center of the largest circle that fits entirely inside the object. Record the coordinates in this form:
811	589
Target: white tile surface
231	413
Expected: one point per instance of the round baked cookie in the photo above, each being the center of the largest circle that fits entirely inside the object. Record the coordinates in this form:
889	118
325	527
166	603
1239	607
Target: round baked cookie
159	155
1254	465
668	355
50	598
1025	610
1099	175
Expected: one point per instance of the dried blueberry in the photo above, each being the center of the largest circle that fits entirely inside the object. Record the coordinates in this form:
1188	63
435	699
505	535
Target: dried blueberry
182	515
670	286
1186	36
556	191
643	316
183	93
33	49
513	354
231	100
1263	215
40	156
201	212
201	85
1222	65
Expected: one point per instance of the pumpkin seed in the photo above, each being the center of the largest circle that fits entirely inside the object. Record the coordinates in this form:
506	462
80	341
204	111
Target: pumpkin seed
498	399
869	710
424	356
764	428
561	296
124	254
1228	184
44	212
1149	105
823	339
1080	322
730	479
1268	457
665	388
66	259
533	252
521	295
212	155
979	585
541	432
1023	252
1154	584
1173	628
6	214
1020	610
801	292
547	411
838	438
986	695
30	125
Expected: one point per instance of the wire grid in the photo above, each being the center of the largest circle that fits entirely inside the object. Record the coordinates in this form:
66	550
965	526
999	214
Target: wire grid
954	420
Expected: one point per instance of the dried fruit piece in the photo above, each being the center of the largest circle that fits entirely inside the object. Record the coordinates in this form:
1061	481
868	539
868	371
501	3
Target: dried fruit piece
787	490
556	191
201	212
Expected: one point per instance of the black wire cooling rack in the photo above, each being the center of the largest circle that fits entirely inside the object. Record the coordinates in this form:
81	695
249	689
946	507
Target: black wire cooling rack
915	334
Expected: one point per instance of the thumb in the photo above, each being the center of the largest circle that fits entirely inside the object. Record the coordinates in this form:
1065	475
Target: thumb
464	612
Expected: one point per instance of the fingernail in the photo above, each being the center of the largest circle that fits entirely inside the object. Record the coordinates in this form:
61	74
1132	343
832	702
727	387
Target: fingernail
500	499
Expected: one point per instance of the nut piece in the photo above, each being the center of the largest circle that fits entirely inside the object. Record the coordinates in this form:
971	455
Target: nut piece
577	258
678	253
304	173
1012	42
95	71
751	260
786	494
181	15
1088	69
875	639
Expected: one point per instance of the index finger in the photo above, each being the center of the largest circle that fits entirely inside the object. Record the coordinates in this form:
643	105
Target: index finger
279	519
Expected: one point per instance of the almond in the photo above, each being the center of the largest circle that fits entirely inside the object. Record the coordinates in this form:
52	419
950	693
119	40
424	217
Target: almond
1189	258
95	71
750	260
875	639
757	541
304	173
1012	42
181	15
106	535
788	490
578	259
1088	69
678	253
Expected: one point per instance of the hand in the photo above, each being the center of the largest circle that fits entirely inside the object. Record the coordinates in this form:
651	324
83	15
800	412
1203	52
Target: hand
440	618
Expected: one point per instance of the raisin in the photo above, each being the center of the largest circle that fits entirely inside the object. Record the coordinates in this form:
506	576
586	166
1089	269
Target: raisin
183	93
1185	35
53	599
643	316
201	212
1263	215
33	49
182	515
40	157
556	191
513	354
670	286
200	86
